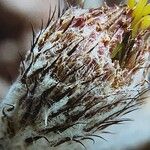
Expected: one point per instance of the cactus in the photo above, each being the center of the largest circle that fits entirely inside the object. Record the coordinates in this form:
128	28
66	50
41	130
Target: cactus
84	71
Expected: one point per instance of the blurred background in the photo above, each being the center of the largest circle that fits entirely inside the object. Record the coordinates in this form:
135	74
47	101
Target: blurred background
16	17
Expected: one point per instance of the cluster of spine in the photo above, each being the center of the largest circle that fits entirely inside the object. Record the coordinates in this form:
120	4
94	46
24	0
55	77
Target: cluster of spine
82	74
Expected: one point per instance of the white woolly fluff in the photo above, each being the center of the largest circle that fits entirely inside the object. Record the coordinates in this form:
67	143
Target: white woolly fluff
103	18
78	109
86	31
46	114
56	106
93	3
47	82
60	119
47	46
40	63
139	75
15	93
78	12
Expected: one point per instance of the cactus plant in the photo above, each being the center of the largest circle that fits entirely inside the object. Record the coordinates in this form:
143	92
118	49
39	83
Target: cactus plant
84	71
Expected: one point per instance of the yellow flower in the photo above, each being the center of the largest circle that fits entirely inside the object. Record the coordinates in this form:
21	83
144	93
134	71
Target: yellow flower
141	15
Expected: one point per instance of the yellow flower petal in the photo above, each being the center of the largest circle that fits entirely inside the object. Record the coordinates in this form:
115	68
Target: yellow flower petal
137	13
146	10
145	22
135	30
131	3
